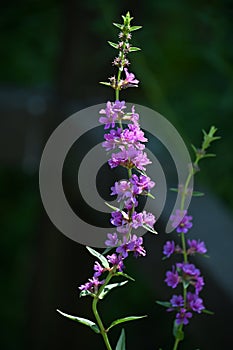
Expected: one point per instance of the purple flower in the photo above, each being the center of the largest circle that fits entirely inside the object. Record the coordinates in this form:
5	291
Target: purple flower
188	269
181	221
195	303
169	248
117	218
113	112
129	80
137	220
199	284
143	183
116	260
177	301
98	269
148	219
92	285
196	247
172	278
182	317
112	139
129	158
138	248
112	240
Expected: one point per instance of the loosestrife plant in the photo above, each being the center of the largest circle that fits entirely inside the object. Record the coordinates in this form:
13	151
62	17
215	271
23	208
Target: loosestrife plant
184	275
126	142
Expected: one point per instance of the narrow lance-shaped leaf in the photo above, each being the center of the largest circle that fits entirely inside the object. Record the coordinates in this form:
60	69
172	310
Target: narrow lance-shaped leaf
84	321
125	319
124	275
133	48
115	45
133	28
121	341
163	303
103	260
105	83
85	293
149	228
109	287
118	25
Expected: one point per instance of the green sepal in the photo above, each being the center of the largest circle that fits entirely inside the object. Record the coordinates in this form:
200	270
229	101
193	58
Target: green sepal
104	83
163	303
134	48
177	331
85	293
124	275
208	312
186	284
133	28
84	321
103	260
121	341
125	319
110	287
118	25
148	194
115	45
149	228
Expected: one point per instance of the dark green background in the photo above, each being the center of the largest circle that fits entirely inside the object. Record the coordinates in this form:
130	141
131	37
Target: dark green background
58	49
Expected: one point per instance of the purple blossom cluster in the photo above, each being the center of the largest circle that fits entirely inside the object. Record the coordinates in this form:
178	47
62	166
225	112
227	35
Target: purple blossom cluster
128	144
185	273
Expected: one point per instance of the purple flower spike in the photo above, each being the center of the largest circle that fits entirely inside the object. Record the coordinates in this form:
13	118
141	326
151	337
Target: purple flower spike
181	221
182	317
169	248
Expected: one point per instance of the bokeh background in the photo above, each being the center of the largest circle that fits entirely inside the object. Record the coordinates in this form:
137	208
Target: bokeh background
53	54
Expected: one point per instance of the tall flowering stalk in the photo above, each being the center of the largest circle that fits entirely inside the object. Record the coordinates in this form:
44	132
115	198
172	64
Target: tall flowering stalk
126	142
185	273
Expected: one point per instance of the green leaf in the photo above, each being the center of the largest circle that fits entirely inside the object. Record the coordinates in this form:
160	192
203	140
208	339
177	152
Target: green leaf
107	250
124	275
197	194
149	228
118	25
164	303
103	260
177	331
110	287
209	155
174	189
133	28
88	323
133	48
115	45
125	216
104	83
208	312
121	341
125	319
85	293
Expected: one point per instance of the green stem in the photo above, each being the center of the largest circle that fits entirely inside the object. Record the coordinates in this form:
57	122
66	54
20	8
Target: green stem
175	347
97	316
